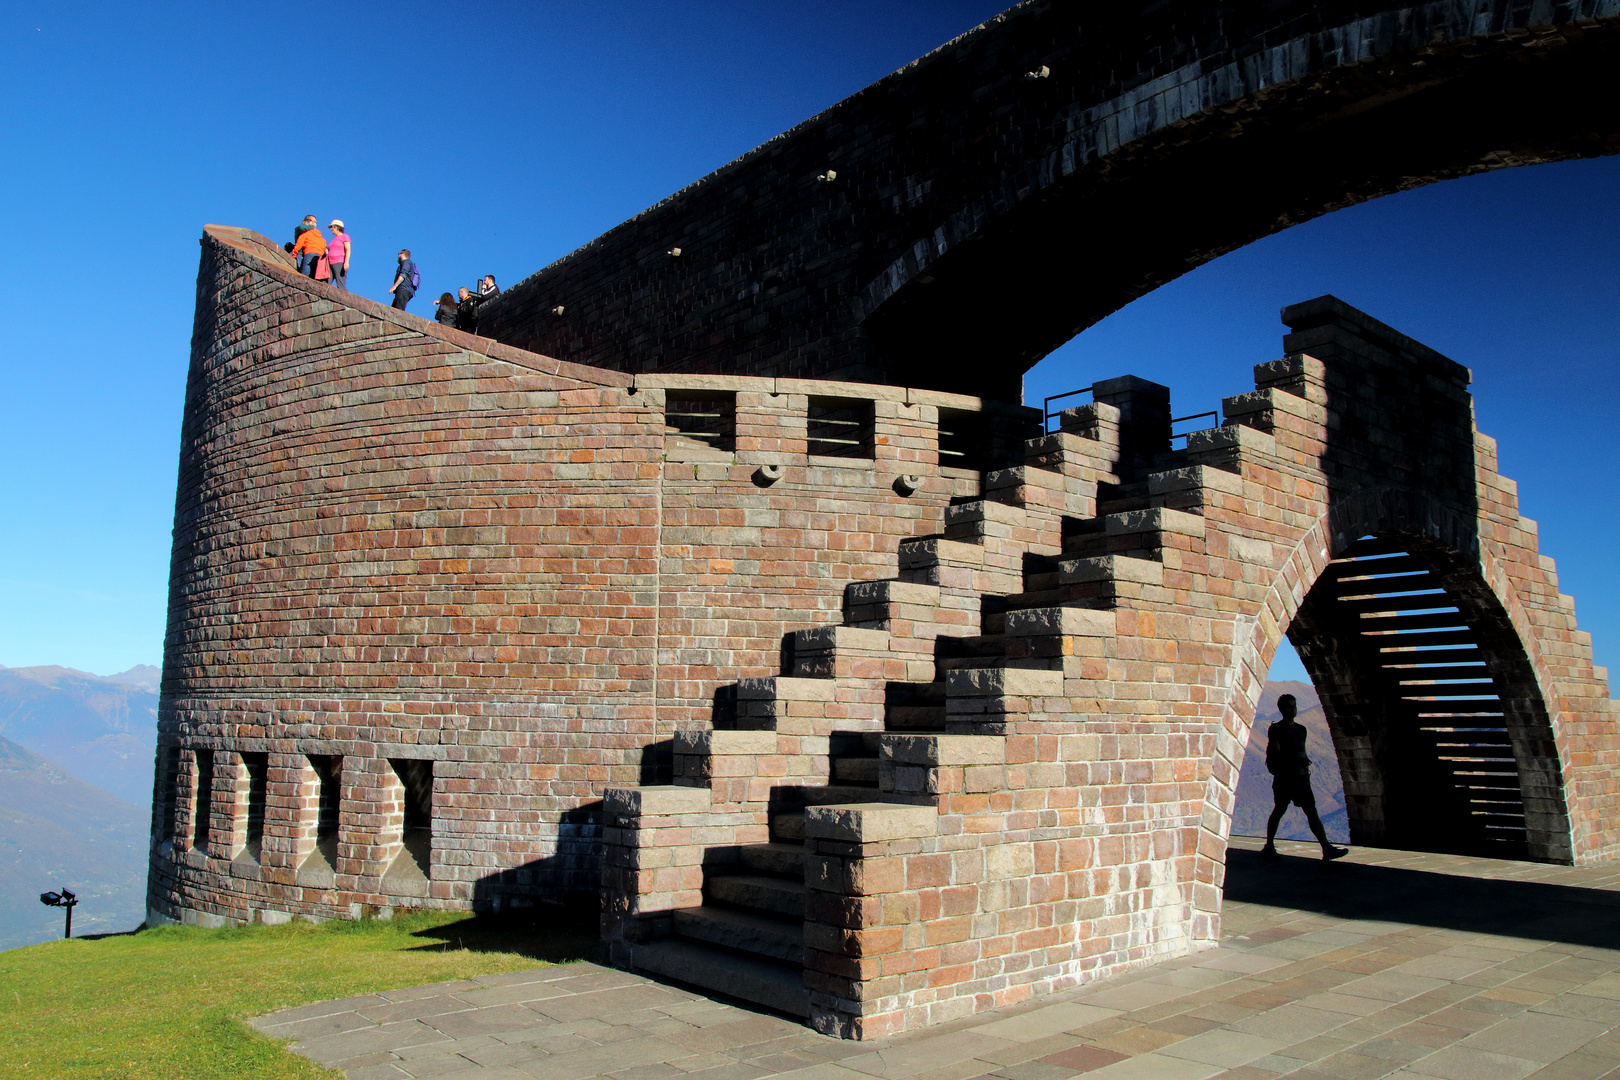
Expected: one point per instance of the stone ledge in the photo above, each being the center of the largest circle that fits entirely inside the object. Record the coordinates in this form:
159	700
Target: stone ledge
656	800
866	823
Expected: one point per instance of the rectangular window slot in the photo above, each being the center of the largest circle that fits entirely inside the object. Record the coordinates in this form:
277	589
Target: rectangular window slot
169	792
257	767
202	805
964	439
708	418
840	427
414	864
319	868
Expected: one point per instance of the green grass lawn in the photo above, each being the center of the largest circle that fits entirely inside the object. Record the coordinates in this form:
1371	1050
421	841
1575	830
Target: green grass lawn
169	1002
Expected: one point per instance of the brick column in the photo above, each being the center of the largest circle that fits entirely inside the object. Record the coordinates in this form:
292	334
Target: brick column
863	925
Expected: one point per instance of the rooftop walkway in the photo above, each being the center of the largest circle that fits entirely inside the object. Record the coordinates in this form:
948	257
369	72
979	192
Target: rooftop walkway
1386	964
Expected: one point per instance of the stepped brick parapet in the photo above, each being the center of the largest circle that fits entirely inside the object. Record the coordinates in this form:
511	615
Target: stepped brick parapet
873	705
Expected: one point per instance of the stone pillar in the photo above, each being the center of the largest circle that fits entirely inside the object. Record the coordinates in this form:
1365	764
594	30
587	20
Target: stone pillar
863	929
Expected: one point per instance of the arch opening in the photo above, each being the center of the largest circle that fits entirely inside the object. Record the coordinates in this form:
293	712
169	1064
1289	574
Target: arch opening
1442	737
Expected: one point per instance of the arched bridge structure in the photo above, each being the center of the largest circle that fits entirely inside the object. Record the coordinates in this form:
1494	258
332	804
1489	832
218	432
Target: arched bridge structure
953	223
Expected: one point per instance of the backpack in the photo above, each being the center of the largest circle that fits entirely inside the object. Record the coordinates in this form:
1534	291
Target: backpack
416	278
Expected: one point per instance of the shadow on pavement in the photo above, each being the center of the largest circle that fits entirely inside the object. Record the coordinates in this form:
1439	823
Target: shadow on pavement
1569	914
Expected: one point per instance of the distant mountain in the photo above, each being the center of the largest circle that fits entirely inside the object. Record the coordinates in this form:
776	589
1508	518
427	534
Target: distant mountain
145	676
1254	799
103	730
57	831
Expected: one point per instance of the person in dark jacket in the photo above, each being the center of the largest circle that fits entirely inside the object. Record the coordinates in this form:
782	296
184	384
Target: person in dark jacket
403	287
467	310
487	289
1290	766
447	310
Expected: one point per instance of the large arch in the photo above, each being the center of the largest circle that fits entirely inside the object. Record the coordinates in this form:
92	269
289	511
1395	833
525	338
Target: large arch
1398	787
956	221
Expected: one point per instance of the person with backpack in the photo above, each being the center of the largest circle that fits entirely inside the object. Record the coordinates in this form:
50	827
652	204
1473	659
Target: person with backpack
309	249
406	281
339	250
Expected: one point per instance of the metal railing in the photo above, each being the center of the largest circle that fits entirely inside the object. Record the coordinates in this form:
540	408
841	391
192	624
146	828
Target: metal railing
1046	409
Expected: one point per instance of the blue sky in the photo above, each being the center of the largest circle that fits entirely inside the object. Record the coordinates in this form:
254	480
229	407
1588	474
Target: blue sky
493	138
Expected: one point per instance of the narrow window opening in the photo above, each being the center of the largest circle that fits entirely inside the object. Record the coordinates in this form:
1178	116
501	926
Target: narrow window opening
964	439
169	793
257	767
202	803
414	863
708	418
840	427
319	868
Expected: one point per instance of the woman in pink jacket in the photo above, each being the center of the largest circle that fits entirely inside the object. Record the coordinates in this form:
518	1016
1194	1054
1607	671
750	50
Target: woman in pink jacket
338	252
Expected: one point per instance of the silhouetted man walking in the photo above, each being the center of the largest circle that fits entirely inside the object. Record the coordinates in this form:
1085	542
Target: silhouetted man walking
1290	768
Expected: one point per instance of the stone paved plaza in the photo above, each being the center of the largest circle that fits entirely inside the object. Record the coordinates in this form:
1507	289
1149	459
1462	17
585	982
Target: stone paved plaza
1387	964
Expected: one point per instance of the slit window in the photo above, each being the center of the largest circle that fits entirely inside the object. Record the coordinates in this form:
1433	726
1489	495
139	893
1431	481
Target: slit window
328	794
202	804
319	868
257	767
415	861
840	427
710	419
964	439
169	793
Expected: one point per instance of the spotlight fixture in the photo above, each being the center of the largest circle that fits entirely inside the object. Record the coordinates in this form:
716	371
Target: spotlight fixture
64	899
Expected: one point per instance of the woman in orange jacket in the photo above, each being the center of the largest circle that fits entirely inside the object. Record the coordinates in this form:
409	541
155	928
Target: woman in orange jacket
308	251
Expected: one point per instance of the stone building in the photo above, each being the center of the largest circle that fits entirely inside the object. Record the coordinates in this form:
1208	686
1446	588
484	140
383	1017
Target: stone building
873	703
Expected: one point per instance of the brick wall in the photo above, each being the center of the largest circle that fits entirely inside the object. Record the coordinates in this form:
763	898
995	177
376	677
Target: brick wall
397	541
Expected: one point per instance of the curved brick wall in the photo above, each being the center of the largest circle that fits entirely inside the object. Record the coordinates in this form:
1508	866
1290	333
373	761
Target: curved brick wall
395	541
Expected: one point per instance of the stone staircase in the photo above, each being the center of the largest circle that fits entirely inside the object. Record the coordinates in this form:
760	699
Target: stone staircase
976	626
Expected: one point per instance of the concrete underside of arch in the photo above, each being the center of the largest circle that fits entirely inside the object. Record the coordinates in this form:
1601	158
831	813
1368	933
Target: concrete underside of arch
880	740
955	222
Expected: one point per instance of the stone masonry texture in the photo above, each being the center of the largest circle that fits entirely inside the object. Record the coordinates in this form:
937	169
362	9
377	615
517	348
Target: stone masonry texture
986	722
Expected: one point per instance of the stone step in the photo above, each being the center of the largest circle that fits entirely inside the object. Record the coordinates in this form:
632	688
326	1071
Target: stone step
779	859
787	827
771	983
745	931
934	560
758	892
856	770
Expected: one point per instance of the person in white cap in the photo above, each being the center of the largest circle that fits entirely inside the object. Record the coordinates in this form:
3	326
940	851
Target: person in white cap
339	251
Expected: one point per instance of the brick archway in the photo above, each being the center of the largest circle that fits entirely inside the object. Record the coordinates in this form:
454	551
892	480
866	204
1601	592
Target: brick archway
956	221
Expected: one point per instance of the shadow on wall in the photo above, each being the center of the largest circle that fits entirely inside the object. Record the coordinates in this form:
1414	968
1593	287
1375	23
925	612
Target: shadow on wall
577	863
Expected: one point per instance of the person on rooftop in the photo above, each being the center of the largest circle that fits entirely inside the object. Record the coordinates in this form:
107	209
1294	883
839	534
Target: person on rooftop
339	250
446	314
407	279
311	245
1290	766
467	310
303	226
487	289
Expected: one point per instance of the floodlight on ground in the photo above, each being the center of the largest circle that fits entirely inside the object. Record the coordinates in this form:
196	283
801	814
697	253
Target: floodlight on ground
65	899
